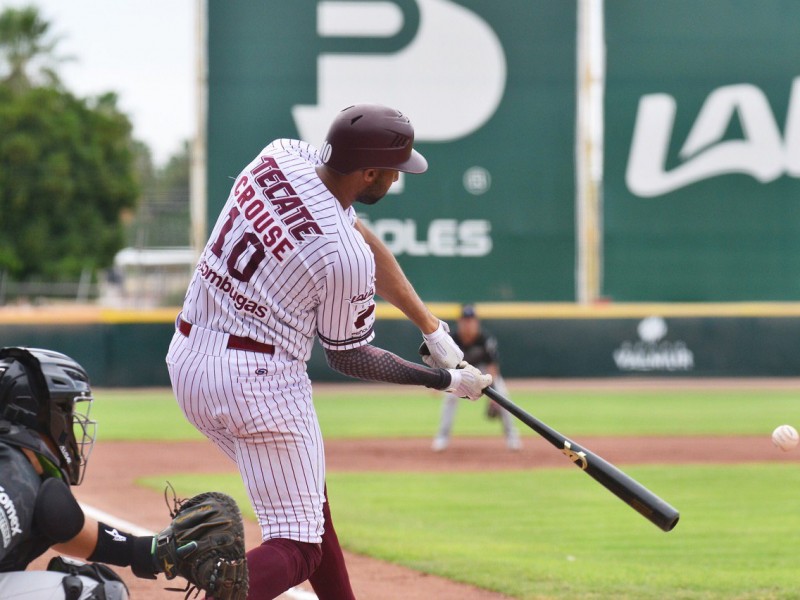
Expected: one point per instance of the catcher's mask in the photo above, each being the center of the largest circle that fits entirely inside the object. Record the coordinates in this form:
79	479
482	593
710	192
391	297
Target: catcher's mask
371	136
49	393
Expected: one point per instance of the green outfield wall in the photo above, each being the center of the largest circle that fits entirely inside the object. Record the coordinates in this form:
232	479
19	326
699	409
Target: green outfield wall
127	349
701	137
490	88
702	150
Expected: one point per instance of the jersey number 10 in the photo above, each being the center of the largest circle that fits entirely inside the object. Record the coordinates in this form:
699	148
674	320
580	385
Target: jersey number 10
248	240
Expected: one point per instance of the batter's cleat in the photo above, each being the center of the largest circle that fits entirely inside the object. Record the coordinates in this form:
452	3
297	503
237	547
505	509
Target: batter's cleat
514	443
439	444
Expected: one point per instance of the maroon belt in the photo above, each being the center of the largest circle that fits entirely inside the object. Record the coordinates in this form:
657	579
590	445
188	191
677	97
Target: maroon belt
234	341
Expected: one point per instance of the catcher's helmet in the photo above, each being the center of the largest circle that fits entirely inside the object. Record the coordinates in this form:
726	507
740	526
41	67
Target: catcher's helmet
49	393
371	136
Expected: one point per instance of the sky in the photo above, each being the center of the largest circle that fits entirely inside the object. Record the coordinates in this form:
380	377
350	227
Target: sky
144	50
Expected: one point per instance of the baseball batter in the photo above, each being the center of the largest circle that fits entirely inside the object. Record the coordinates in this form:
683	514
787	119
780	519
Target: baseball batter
480	349
288	261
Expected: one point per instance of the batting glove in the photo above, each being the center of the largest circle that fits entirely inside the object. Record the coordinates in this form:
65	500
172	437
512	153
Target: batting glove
444	352
468	382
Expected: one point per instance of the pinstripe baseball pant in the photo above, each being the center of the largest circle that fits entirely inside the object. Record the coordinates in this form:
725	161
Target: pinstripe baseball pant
257	408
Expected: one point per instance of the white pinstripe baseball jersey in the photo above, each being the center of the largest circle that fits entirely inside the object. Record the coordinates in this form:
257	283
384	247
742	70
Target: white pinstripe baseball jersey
284	264
284	261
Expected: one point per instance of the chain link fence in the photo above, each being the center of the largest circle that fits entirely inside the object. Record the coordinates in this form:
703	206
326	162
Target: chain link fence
152	270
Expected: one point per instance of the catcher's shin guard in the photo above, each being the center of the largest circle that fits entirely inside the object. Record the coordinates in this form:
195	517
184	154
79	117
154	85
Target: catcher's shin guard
99	580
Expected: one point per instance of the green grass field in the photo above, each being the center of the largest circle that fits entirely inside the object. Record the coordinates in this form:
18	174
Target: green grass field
549	534
410	413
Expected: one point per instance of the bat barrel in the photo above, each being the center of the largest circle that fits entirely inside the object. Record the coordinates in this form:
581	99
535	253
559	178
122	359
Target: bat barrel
633	493
627	489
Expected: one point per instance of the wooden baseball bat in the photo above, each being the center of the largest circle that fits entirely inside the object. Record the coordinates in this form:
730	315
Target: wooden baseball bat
624	487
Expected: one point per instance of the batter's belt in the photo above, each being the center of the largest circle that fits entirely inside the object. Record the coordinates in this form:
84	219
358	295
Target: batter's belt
235	342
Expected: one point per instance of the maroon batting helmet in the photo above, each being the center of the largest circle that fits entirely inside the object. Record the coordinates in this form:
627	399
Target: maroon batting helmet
371	136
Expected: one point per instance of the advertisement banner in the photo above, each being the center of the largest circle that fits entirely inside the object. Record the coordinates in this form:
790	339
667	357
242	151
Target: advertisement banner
490	89
702	151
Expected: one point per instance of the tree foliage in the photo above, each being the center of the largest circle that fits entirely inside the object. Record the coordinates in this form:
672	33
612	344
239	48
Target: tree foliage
162	217
66	172
25	41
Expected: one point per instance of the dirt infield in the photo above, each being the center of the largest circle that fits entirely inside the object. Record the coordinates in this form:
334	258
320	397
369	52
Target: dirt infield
109	487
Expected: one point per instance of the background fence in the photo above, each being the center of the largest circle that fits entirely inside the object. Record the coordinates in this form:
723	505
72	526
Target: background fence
700	123
127	348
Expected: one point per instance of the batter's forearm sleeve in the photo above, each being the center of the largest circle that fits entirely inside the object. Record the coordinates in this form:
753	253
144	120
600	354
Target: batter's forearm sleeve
376	364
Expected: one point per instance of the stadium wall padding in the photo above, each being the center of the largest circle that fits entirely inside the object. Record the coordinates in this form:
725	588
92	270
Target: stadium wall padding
559	342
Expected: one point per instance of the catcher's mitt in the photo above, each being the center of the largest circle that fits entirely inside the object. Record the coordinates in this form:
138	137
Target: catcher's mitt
205	545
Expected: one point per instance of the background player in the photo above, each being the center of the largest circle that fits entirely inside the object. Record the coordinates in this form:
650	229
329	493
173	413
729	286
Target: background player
480	349
45	399
289	261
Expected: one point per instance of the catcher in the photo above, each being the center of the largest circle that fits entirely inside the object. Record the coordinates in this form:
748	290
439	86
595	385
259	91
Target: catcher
46	437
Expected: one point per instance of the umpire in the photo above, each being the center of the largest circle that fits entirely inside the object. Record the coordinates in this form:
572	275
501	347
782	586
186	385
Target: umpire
480	350
45	400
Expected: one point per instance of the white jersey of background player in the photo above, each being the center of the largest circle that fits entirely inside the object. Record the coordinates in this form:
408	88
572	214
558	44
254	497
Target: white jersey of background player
287	262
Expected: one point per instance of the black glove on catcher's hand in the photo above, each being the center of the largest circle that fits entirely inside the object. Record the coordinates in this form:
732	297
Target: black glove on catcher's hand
205	545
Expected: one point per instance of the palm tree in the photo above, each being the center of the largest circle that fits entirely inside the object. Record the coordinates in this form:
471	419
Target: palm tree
24	42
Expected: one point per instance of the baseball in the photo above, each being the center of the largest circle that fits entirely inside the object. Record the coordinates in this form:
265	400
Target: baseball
785	437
